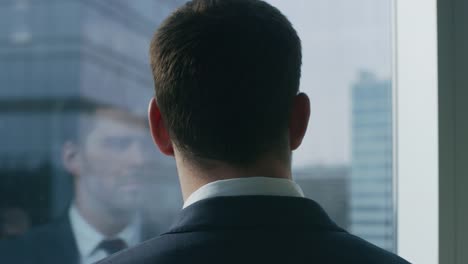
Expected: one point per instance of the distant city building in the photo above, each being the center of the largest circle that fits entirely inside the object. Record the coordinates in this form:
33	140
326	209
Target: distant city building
372	214
328	186
58	58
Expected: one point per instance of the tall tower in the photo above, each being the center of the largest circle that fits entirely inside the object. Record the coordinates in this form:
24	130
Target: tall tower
371	182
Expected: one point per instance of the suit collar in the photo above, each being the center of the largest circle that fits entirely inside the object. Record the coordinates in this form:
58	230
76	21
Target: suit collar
253	212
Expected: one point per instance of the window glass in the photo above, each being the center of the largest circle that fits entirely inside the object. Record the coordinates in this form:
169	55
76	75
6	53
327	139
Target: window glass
76	151
345	162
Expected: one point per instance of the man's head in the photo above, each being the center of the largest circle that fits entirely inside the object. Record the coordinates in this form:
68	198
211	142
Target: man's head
226	77
104	158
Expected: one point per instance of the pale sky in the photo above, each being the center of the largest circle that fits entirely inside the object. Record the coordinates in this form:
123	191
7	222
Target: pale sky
339	39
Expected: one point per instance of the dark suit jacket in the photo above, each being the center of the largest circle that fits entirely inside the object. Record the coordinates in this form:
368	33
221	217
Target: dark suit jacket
50	244
255	229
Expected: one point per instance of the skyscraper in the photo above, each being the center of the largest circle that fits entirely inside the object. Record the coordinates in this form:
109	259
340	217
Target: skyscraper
371	168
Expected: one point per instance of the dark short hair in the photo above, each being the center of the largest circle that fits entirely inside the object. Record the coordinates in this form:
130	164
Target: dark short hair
226	73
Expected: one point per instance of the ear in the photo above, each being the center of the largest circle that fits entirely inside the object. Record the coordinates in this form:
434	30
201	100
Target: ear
299	120
158	130
71	158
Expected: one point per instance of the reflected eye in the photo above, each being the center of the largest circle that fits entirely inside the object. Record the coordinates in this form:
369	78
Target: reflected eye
118	143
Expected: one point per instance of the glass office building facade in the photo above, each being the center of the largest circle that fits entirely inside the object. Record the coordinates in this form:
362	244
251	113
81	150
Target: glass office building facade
59	59
371	214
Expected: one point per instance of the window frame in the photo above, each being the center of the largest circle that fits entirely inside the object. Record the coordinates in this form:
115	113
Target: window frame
416	149
430	41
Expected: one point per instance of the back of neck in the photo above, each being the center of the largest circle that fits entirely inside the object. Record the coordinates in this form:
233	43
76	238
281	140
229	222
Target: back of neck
192	177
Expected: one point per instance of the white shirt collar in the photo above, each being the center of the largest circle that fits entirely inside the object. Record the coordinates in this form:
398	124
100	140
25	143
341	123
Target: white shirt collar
88	238
246	186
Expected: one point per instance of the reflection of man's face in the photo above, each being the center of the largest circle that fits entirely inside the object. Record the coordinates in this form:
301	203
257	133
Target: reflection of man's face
110	156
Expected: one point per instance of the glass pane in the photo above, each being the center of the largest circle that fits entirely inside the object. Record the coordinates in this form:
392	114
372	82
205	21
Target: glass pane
345	162
77	163
75	149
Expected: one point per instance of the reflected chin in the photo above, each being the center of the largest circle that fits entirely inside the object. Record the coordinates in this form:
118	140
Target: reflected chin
128	199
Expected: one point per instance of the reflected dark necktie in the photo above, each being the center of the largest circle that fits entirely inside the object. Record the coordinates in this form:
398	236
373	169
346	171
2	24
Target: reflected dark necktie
112	245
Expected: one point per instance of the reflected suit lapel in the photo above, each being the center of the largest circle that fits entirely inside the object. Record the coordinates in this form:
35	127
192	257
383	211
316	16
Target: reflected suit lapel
59	245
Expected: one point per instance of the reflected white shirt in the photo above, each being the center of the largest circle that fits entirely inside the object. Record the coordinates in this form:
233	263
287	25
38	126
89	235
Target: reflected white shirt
246	186
88	238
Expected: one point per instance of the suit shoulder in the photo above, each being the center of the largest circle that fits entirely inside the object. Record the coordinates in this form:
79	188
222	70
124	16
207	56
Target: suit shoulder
37	244
361	251
203	247
20	249
146	252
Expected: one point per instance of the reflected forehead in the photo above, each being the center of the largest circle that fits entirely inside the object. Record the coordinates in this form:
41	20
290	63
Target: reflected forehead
106	126
121	116
113	123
